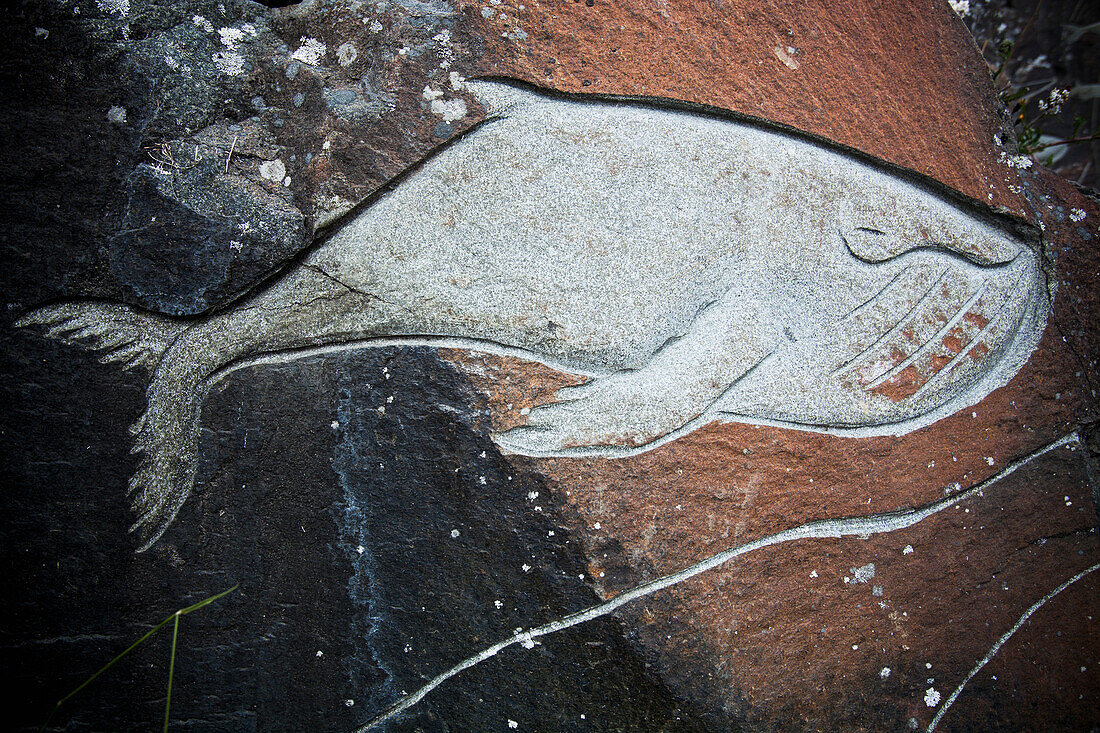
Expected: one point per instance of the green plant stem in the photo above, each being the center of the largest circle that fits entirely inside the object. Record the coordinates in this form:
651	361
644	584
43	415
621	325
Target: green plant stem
171	671
175	616
1041	148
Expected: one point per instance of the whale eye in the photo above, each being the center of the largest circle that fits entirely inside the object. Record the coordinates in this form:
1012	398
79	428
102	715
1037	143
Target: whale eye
870	244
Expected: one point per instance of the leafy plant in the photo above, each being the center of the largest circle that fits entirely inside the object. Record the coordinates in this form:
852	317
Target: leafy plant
1030	139
175	620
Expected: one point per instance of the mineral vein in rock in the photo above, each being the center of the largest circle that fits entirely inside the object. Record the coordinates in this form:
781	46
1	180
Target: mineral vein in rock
702	268
862	527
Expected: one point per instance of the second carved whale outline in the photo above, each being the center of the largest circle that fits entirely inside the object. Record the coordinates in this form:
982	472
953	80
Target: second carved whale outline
694	266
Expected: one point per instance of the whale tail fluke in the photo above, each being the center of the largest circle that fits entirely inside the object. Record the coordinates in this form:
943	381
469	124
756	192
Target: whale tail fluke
165	432
119	333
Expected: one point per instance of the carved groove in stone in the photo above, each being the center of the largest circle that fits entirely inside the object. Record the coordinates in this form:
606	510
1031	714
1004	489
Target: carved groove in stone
862	527
700	268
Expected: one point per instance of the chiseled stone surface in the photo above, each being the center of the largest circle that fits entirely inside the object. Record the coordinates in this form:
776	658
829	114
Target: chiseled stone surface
181	157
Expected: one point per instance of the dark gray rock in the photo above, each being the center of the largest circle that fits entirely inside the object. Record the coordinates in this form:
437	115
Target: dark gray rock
337	519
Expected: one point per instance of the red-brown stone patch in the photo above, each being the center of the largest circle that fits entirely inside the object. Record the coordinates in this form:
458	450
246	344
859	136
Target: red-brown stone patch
901	82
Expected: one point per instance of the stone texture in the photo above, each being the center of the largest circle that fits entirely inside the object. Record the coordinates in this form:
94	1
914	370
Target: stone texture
133	181
903	84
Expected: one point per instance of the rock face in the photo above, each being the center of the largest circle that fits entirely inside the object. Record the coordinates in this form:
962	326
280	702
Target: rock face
707	369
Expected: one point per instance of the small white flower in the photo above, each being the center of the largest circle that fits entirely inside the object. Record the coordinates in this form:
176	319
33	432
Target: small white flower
962	7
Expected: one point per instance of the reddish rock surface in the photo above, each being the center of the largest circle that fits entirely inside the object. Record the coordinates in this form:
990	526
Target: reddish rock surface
902	82
844	633
786	637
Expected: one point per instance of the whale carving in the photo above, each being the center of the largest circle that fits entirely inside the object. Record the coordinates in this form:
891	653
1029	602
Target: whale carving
695	267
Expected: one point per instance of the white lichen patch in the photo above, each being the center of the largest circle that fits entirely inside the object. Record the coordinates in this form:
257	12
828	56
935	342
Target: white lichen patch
430	95
116	115
863	574
1077	215
122	7
346	54
230	36
273	170
450	110
885	673
458	82
1017	161
931	697
229	62
310	52
203	23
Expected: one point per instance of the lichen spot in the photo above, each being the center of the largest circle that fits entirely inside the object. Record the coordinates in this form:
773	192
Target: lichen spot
346	54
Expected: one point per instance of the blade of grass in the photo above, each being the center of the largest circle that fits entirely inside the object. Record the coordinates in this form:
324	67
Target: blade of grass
171	670
205	602
155	629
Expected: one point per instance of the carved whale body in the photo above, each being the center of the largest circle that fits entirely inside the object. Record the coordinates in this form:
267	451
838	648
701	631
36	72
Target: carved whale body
694	267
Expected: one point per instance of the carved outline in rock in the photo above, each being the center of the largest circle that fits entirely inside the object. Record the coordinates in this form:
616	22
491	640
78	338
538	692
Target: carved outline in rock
862	527
718	270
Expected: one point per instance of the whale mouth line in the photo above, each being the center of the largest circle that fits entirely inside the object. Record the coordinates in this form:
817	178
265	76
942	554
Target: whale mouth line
933	248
